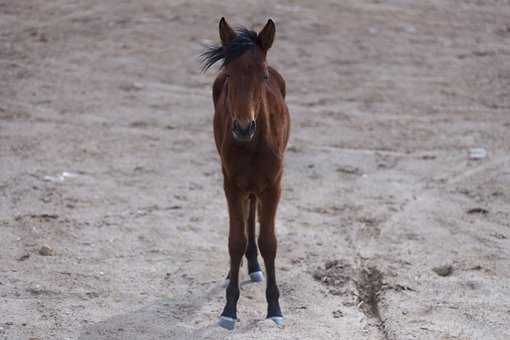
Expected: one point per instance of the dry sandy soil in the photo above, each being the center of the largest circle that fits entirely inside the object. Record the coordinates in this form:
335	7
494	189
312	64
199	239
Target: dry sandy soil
107	157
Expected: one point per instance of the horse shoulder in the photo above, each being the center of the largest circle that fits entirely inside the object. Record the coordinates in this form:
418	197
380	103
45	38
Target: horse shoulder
280	82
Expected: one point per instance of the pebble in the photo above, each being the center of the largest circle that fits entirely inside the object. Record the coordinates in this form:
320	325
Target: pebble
445	270
46	251
338	314
477	153
24	257
478	210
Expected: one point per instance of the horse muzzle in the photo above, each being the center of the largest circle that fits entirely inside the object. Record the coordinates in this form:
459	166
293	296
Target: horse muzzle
245	134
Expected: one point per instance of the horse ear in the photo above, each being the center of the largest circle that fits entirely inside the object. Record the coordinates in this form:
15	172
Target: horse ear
227	34
266	35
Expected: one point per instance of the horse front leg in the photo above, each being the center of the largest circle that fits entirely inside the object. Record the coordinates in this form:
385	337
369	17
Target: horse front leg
254	271
267	246
236	247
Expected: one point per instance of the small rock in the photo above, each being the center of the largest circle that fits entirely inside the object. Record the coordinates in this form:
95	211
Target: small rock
56	179
338	314
46	251
92	295
44	217
399	288
35	290
350	170
445	270
477	153
24	257
318	275
477	210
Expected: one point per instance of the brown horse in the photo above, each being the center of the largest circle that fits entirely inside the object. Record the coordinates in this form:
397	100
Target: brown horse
251	130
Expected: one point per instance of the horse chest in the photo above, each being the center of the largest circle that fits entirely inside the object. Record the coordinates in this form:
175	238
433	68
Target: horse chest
252	173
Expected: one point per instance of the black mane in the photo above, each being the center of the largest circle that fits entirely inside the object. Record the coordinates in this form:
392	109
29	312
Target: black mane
244	40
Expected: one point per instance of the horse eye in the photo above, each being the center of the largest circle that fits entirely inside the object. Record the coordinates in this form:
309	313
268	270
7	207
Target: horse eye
227	75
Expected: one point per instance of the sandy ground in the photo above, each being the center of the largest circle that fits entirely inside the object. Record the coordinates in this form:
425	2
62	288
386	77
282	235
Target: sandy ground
107	157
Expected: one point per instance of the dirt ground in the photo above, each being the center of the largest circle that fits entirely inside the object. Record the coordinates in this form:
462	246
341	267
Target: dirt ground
387	229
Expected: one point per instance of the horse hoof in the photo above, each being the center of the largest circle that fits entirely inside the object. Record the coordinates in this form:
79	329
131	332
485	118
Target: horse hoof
227	322
257	276
278	320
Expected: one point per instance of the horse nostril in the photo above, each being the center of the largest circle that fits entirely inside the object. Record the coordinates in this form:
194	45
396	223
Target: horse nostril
237	127
252	127
241	128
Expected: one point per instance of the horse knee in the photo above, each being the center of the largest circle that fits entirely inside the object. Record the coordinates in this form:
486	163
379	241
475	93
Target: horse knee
237	247
267	246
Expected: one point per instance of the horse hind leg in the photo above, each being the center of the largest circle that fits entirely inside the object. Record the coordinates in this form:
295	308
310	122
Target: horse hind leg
254	270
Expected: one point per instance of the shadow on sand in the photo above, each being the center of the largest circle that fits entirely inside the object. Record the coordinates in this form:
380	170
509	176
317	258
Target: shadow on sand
164	319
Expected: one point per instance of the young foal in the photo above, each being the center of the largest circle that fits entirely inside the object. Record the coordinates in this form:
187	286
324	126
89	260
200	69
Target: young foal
251	130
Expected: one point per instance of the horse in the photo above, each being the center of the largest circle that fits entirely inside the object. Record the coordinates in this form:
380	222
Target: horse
251	130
